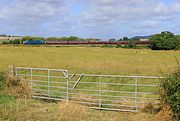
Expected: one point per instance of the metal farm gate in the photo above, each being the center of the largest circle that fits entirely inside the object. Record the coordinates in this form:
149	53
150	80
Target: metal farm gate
108	92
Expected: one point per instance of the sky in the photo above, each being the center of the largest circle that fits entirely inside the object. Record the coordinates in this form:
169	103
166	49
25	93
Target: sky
102	19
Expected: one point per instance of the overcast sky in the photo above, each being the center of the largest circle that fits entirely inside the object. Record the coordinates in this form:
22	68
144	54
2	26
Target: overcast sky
89	18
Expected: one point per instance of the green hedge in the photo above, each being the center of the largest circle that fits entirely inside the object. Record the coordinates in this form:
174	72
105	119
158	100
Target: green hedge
171	92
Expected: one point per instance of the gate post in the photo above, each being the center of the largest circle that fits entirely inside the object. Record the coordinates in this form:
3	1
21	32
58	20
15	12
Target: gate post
67	86
11	72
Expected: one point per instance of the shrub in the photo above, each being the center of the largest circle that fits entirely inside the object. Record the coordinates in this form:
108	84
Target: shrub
164	41
5	42
171	92
107	46
131	44
16	41
119	46
2	80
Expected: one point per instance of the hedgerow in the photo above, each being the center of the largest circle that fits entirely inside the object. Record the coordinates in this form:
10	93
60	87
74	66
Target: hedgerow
171	92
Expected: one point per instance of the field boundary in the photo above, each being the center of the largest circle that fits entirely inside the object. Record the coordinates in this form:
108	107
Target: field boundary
106	92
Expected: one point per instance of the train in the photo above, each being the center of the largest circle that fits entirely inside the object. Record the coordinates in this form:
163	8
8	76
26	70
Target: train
34	42
41	42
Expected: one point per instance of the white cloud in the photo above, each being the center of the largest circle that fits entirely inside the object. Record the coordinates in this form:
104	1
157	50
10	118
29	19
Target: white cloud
30	15
99	18
124	11
136	14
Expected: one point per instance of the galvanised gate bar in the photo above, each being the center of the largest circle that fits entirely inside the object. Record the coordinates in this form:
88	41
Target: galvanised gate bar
108	92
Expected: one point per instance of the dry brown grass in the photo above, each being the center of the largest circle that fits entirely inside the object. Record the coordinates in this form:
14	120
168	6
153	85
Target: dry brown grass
25	109
19	88
164	115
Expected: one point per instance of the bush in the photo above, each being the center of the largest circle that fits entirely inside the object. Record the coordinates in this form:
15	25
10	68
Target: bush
2	80
164	41
107	46
16	41
119	46
131	44
5	42
171	92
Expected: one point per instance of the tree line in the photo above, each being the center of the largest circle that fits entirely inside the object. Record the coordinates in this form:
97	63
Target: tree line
164	41
30	38
71	38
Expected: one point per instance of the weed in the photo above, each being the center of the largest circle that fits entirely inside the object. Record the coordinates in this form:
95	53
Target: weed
2	80
151	108
108	46
20	88
5	99
163	115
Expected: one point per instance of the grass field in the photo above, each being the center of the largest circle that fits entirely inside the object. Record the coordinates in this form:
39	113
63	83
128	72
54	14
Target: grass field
91	59
79	60
32	110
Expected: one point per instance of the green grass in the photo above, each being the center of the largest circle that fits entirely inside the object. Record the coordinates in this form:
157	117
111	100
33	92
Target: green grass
6	99
90	59
33	110
94	60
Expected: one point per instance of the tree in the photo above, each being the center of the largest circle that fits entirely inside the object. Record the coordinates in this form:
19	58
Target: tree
26	38
38	38
163	41
110	40
91	39
16	41
31	38
71	38
52	39
125	39
120	39
132	44
3	35
177	42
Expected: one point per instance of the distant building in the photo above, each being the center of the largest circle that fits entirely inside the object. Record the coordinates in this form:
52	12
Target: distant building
10	38
144	39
